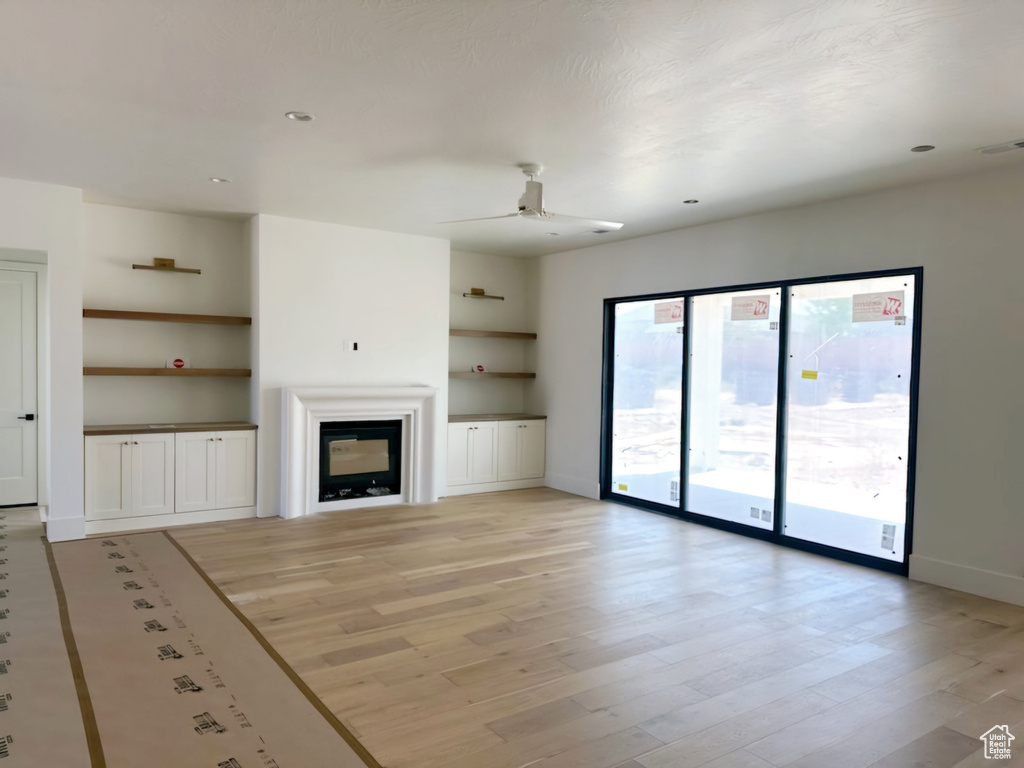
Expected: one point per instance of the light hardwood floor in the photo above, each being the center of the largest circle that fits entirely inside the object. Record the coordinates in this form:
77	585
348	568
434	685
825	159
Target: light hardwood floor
539	628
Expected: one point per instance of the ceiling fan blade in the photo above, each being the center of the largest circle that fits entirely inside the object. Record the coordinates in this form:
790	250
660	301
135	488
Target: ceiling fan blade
582	221
485	218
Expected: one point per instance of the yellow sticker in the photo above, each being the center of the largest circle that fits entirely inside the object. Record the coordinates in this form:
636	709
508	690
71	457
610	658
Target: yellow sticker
622	486
809	374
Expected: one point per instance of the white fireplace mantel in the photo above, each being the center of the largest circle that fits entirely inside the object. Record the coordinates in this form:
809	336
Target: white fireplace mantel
306	407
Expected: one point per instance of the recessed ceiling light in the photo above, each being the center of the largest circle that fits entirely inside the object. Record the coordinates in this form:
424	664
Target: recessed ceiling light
219	180
690	202
554	234
300	117
601	231
922	148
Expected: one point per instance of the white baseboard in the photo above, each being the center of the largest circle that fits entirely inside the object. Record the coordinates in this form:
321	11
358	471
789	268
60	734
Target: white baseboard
65	528
165	521
505	485
997	586
590	489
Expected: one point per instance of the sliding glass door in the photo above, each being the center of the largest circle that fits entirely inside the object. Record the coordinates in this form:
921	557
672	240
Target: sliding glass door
695	423
848	413
734	372
646	414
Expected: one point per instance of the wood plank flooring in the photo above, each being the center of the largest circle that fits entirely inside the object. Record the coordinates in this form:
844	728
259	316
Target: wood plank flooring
536	628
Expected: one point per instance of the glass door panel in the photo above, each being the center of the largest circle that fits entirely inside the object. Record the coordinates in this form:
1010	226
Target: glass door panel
733	384
848	414
647	391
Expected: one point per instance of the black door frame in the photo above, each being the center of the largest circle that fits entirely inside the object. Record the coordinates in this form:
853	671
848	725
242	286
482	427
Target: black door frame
776	535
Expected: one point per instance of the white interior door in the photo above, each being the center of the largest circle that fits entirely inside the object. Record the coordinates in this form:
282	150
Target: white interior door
18	425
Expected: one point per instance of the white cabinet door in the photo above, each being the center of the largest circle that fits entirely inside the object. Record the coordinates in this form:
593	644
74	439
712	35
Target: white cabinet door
484	456
460	449
195	471
531	449
236	469
108	477
508	450
152	474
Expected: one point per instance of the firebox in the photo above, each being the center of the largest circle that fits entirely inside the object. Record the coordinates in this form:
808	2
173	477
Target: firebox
359	459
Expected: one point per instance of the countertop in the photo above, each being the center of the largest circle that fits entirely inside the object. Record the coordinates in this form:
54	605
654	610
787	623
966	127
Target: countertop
147	429
464	417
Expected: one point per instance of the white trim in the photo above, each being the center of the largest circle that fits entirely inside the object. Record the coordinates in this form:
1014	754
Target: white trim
504	485
65	528
589	489
997	586
42	372
305	407
116	525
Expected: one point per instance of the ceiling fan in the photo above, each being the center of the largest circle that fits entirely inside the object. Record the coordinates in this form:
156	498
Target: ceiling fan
531	206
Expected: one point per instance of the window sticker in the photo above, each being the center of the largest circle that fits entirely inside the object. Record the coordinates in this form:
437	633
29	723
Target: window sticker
668	312
750	307
872	307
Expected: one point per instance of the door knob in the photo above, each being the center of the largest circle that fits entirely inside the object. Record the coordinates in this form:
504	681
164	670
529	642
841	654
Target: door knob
28	417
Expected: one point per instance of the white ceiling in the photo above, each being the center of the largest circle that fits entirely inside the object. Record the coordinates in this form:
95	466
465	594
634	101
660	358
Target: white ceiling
424	107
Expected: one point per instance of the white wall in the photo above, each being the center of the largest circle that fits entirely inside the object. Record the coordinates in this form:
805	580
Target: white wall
966	233
321	284
515	279
43	217
116	238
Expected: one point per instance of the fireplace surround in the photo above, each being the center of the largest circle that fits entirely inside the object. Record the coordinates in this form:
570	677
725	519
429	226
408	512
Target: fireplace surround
306	408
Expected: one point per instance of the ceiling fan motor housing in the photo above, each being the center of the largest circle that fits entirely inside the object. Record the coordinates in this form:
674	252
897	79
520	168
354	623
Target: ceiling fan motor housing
533	197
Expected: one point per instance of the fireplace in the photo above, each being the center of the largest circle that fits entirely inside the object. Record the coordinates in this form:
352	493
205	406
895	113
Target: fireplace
360	459
306	408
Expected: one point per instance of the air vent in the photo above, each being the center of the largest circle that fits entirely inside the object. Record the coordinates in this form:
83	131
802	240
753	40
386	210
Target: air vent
997	149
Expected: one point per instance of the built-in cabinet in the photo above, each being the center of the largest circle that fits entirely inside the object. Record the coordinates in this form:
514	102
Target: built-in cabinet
214	470
520	450
129	476
472	453
149	479
495	453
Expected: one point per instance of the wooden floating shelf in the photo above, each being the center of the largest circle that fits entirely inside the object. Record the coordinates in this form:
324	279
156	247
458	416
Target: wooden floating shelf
489	375
491	334
168	269
481	293
187	372
166	317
